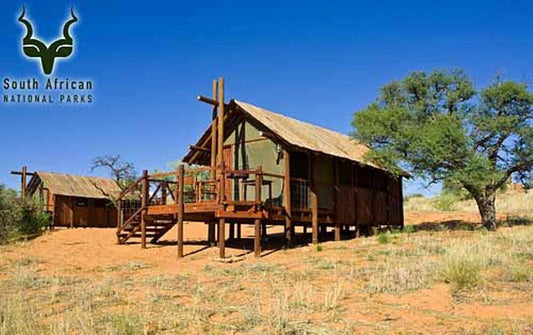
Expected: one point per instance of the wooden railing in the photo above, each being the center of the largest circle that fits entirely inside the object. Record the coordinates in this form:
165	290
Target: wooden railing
162	188
244	180
300	193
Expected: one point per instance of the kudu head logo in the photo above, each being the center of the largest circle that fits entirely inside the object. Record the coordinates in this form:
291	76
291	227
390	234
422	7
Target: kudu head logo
61	48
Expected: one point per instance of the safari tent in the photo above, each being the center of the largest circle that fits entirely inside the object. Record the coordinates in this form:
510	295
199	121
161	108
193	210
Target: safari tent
254	166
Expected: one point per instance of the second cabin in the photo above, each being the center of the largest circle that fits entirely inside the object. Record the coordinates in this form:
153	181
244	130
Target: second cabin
263	168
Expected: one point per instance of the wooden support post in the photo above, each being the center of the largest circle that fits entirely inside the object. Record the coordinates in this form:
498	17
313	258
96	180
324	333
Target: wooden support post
400	197
221	238
314	197
232	231
257	222
211	237
336	201
214	133
144	205
181	208
289	229
239	231
23	182
257	237
163	192
355	196
119	218
220	144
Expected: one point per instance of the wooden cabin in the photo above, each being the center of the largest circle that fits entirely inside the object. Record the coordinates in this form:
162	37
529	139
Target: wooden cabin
74	201
254	166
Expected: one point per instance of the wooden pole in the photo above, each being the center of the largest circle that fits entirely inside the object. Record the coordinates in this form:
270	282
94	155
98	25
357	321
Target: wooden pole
214	133
336	201
232	231
400	199
181	208
221	238
220	145
119	218
164	192
289	229
144	205
355	184
23	182
257	222
211	233
314	198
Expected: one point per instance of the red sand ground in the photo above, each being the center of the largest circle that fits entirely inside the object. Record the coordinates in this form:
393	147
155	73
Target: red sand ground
68	250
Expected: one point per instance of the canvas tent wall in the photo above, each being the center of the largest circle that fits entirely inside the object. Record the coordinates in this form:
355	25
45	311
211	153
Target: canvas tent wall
356	190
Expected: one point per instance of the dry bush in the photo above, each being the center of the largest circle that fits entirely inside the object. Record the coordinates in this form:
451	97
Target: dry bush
515	203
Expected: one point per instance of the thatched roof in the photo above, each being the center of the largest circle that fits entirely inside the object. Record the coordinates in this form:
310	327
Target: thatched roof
296	133
76	186
308	136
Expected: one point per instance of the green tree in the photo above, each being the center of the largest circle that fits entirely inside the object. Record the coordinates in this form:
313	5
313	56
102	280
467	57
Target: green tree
440	127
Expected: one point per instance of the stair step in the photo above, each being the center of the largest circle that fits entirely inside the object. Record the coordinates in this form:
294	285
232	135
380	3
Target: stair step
148	235
148	228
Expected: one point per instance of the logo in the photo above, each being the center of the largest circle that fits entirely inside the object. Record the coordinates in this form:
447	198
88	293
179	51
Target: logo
49	90
60	48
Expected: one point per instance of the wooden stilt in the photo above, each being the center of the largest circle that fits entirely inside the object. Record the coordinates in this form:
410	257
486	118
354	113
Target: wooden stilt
232	231
239	231
211	234
144	205
264	235
257	238
289	229
314	198
336	200
181	174
257	223
221	238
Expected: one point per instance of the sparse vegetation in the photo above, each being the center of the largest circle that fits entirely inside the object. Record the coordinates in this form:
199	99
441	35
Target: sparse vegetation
271	296
19	219
383	238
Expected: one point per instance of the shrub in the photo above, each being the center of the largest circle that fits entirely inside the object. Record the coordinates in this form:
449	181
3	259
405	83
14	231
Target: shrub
462	271
409	229
400	275
319	247
518	273
383	238
446	201
32	220
9	213
19	218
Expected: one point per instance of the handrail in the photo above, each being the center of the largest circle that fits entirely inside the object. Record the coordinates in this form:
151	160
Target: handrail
175	172
299	179
132	216
257	171
268	174
128	190
163	174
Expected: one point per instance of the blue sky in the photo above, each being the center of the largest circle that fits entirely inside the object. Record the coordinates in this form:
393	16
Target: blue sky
318	62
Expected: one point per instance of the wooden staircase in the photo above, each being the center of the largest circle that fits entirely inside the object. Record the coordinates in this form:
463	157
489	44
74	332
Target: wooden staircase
132	209
156	227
